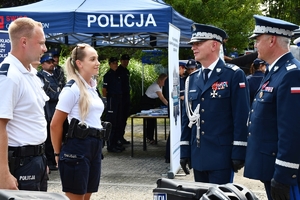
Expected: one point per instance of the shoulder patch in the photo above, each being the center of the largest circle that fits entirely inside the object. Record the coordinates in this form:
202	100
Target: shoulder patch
232	66
70	83
289	67
4	69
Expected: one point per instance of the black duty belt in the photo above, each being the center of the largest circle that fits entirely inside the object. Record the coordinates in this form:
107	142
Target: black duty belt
81	130
28	150
93	132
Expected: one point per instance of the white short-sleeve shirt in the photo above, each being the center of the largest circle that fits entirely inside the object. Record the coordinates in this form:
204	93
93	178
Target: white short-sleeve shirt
22	102
69	103
152	89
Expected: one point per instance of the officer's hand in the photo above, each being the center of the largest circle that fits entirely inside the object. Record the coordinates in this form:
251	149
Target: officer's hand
184	162
279	191
237	165
8	181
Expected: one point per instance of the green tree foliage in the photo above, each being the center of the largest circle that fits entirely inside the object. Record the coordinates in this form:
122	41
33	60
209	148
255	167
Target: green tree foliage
288	10
234	16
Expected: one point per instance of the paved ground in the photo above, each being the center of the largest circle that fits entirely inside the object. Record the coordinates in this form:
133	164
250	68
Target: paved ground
124	177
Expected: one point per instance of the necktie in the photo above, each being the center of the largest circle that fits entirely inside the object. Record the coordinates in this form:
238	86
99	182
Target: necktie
206	71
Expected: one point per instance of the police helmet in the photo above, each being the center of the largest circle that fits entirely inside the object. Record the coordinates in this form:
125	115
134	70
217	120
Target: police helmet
229	191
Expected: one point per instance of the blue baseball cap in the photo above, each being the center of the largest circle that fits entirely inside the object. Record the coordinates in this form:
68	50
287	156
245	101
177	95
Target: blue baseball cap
202	32
272	26
191	64
258	61
182	64
46	57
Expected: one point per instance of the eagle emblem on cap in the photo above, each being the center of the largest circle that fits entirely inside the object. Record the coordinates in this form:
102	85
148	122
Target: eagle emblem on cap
194	27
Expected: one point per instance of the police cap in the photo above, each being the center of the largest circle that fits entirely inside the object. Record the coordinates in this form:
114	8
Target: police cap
46	57
112	59
125	57
272	26
202	32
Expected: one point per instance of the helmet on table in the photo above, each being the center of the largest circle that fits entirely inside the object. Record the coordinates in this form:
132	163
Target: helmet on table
229	191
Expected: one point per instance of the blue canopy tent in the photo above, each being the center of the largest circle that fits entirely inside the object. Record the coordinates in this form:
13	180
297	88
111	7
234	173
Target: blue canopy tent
135	23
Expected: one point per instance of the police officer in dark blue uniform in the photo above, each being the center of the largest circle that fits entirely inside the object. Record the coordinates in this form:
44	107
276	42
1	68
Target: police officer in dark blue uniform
257	71
214	131
112	90
125	78
52	87
273	139
58	70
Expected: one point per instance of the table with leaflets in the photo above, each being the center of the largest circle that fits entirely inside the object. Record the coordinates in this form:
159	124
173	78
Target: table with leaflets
161	113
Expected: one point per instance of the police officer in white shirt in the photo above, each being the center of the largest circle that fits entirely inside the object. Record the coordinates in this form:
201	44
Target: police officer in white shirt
22	120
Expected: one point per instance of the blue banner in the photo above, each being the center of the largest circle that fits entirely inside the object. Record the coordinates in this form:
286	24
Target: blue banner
4	45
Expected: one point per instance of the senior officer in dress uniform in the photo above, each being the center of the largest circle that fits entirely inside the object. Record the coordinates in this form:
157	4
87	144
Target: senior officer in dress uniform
274	122
214	131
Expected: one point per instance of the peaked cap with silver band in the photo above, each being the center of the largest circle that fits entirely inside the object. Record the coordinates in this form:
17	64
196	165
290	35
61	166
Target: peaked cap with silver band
272	26
202	32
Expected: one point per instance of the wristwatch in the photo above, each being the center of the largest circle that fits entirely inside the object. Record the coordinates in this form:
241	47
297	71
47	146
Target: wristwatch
56	154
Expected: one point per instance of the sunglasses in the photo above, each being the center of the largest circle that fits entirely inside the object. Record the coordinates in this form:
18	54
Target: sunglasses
79	46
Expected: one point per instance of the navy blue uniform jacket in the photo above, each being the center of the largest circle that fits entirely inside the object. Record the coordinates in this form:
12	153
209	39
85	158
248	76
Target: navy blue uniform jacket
223	118
274	125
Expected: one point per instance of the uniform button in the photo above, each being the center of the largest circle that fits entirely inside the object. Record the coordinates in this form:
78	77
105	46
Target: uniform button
202	132
254	99
273	154
202	110
202	99
250	123
294	176
252	110
202	121
249	134
219	96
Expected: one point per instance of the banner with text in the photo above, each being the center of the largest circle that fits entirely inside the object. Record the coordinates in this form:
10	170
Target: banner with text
4	45
174	113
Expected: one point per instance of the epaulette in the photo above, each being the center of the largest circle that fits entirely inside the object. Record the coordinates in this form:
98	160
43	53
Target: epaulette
293	66
232	66
70	83
4	69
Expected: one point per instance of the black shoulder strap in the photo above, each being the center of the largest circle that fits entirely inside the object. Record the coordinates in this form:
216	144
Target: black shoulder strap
70	83
4	69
